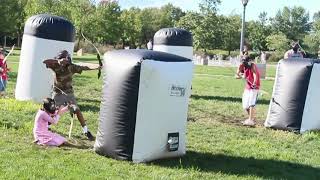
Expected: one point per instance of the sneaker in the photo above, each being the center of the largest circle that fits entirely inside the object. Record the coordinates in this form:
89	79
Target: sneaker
248	122
90	136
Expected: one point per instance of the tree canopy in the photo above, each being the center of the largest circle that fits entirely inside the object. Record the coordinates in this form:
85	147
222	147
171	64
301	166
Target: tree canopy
107	23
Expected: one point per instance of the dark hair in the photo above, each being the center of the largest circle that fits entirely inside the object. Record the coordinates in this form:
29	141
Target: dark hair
49	105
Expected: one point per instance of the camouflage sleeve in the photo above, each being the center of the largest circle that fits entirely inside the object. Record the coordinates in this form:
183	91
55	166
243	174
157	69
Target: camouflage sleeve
77	68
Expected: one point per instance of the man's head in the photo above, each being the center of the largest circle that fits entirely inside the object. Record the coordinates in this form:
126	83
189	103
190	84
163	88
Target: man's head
49	105
295	46
64	55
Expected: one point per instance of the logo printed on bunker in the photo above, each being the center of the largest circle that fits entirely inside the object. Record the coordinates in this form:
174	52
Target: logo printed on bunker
177	90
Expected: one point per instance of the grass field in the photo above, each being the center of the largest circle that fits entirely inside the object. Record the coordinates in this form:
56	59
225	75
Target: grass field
218	147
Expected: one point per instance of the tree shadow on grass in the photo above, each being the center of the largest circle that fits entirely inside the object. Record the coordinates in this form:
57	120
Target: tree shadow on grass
230	99
241	166
88	107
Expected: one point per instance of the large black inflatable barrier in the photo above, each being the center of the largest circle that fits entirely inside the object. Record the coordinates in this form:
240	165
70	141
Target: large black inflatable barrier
294	105
144	106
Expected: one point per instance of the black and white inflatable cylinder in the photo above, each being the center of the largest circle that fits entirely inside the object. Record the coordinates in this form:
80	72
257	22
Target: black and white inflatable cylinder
44	36
295	100
174	41
143	113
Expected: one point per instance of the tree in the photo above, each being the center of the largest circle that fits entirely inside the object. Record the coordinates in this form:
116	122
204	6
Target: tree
131	27
108	23
312	42
170	15
293	22
278	42
12	18
258	31
231	32
316	21
206	26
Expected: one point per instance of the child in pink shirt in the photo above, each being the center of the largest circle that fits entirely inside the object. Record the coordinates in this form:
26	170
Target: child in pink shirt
45	116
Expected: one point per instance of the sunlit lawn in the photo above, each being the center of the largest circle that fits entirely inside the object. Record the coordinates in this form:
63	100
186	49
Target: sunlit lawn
218	146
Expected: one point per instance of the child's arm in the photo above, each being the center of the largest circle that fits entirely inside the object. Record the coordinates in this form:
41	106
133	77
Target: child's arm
255	78
62	110
239	72
54	118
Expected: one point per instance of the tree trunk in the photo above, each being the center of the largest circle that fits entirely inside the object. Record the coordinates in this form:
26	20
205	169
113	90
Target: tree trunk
5	42
78	42
19	40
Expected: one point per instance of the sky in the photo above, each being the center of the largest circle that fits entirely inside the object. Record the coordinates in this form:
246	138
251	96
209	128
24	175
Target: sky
227	7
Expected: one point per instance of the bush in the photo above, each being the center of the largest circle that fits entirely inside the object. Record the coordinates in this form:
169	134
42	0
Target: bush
275	56
88	48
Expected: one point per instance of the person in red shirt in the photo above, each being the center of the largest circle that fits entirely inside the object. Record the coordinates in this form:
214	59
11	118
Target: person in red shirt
3	74
249	71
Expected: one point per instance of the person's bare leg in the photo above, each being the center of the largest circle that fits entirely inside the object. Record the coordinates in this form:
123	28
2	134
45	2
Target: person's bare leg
252	113
80	117
84	126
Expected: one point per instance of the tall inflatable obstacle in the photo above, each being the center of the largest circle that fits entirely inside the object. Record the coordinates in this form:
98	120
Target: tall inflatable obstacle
295	100
44	36
143	113
174	41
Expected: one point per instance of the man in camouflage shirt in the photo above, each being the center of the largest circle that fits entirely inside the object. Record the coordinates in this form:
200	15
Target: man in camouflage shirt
64	69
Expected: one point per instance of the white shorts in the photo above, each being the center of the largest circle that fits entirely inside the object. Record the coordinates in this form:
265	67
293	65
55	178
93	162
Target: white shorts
249	98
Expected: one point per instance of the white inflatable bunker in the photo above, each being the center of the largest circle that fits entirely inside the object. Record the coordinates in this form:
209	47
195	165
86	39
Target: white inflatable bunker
174	41
44	37
143	113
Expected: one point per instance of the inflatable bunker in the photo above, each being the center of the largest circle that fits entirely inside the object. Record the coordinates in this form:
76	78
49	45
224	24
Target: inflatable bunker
295	100
143	112
44	36
174	41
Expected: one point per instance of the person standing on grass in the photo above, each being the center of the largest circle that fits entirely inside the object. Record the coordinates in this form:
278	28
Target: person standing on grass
250	73
63	93
3	74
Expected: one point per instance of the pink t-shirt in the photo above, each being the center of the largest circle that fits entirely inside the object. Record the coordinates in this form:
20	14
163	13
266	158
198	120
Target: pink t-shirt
248	74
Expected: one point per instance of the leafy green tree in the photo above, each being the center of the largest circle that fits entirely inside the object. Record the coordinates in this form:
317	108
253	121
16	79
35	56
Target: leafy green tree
278	42
293	22
258	31
231	32
131	27
108	23
12	18
312	42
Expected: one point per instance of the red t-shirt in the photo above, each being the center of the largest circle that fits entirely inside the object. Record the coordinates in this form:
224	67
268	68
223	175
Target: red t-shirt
4	73
248	75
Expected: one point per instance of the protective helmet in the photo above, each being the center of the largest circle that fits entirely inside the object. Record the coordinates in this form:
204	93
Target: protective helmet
49	105
246	61
64	54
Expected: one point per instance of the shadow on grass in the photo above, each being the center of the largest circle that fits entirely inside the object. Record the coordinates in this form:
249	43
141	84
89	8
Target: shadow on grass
242	166
79	99
230	99
88	107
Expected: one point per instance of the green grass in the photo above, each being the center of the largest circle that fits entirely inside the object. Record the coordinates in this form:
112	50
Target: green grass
218	147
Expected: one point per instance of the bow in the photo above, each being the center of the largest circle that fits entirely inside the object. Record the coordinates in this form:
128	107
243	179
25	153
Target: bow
10	52
98	55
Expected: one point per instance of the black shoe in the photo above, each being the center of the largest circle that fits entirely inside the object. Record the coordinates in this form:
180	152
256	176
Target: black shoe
89	135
